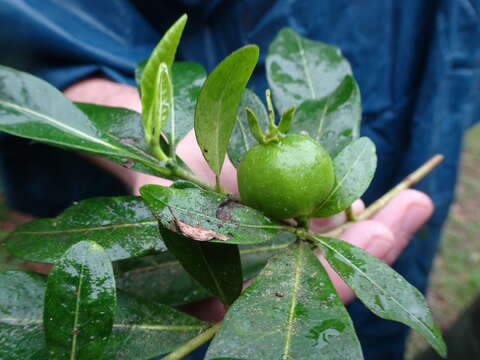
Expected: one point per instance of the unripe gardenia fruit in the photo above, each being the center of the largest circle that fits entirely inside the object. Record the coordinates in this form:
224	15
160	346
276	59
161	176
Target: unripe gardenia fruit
287	178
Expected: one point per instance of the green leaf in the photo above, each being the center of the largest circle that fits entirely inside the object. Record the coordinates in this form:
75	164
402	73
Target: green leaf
144	330
202	215
141	330
333	120
123	226
139	68
187	78
164	52
299	69
218	102
161	278
160	112
21	304
32	108
242	139
382	290
80	303
215	266
125	126
290	311
286	120
354	169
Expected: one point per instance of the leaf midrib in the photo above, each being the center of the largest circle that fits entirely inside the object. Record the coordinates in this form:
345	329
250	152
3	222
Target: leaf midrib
345	176
293	304
363	274
160	327
95	228
59	124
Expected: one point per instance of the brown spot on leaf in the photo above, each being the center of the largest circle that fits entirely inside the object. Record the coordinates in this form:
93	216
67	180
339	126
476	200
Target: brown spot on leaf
279	294
128	141
75	331
127	163
197	232
224	210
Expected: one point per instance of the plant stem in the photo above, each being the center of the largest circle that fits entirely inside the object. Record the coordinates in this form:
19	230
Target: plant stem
188	176
350	214
379	204
196	342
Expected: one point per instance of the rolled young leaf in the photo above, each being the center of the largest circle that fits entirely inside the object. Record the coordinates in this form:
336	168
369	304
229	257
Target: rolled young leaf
382	290
299	69
215	266
208	216
141	329
123	226
333	120
242	139
80	303
160	111
164	52
290	311
218	102
354	169
187	80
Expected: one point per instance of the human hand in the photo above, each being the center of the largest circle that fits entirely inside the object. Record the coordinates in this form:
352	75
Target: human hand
384	236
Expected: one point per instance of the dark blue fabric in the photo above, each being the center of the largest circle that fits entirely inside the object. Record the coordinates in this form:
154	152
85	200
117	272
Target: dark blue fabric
417	64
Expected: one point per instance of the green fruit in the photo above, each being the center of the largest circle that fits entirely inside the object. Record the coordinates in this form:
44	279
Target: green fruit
286	179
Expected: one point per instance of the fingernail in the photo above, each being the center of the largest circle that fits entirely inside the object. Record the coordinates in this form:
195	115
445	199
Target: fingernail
413	218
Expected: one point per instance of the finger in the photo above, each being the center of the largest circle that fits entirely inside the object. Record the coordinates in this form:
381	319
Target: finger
404	215
372	236
189	151
320	225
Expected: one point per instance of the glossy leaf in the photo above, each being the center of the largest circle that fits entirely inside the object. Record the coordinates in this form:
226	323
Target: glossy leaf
32	108
80	303
299	69
141	330
123	226
354	169
187	78
215	266
290	311
125	126
333	120
382	290
161	109
21	304
242	139
202	215
218	102
161	278
164	53
144	330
